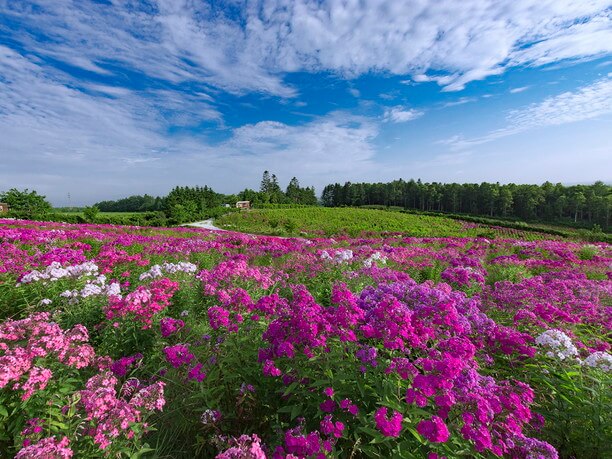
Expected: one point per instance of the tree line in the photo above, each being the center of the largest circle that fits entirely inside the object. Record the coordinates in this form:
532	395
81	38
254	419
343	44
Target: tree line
190	203
270	192
555	203
134	203
585	205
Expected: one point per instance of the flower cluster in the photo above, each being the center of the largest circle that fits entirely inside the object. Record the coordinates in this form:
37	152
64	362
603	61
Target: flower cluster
48	448
400	342
339	256
598	359
111	415
25	342
55	272
557	344
388	426
169	268
144	302
375	258
169	326
95	287
244	447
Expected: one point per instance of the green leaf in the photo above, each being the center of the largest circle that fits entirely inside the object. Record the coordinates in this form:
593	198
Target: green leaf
297	409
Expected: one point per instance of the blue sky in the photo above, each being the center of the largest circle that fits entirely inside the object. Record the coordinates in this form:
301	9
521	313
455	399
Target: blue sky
104	99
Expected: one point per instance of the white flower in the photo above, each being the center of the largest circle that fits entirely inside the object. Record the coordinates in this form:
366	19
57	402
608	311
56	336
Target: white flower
601	360
375	257
170	268
153	272
558	343
54	272
113	289
182	266
343	255
210	416
90	290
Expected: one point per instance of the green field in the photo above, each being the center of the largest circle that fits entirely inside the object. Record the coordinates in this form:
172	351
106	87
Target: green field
324	221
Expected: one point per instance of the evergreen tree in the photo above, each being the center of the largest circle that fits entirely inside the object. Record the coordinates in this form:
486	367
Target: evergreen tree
265	183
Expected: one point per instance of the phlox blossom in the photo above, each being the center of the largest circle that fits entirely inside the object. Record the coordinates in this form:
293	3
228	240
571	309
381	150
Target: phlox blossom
389	427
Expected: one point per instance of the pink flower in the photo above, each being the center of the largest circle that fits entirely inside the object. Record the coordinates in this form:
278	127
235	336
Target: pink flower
389	427
244	447
47	448
39	377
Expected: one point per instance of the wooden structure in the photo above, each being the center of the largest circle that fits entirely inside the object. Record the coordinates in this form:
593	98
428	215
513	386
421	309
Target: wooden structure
4	208
243	205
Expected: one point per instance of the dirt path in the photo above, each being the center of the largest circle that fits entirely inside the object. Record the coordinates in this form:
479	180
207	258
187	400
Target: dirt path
206	224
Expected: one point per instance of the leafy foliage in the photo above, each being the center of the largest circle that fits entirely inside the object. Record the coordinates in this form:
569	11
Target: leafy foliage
25	203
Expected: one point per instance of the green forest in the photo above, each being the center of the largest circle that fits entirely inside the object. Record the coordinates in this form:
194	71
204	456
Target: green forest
581	206
585	205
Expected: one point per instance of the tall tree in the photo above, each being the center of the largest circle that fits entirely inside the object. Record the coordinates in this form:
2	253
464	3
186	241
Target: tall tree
25	202
265	182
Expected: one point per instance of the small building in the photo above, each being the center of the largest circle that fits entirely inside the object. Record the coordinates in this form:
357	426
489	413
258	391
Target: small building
4	208
243	205
226	205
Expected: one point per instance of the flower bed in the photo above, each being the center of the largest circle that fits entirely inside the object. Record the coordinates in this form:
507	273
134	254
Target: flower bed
190	343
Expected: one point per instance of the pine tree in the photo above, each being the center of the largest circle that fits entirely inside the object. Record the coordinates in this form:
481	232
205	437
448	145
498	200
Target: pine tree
265	183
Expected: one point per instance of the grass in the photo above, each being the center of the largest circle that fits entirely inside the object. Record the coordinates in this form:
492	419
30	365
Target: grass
324	221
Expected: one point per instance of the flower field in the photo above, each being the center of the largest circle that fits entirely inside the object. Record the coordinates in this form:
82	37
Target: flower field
133	342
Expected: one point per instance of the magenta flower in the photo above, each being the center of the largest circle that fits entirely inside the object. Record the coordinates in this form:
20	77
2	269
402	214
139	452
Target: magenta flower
47	448
434	430
178	355
389	427
169	326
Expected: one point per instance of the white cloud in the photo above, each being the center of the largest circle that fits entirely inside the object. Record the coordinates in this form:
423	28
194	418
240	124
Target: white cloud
520	89
460	101
450	42
58	139
587	102
401	114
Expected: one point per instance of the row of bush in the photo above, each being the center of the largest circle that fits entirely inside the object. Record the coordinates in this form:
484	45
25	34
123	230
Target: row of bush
158	218
595	234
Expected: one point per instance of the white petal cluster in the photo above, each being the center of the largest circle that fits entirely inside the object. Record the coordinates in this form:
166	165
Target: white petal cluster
55	271
559	345
93	288
377	258
169	268
601	360
210	416
340	256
